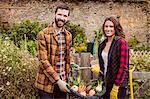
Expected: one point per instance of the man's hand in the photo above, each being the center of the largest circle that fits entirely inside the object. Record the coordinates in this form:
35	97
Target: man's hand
114	92
95	68
62	85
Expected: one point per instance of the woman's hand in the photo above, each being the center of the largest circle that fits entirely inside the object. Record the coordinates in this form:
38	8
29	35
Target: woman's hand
114	92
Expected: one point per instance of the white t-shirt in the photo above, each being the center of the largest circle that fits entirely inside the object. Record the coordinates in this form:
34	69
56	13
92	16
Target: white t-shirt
105	59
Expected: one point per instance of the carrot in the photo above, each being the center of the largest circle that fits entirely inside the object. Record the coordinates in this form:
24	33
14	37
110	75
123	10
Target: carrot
81	88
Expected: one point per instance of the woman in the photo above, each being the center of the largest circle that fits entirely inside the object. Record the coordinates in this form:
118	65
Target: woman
114	60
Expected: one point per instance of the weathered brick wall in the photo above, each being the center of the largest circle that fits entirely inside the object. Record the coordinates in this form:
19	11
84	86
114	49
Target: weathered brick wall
134	17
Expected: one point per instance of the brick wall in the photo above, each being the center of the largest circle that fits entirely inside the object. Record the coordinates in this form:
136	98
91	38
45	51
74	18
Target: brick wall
134	16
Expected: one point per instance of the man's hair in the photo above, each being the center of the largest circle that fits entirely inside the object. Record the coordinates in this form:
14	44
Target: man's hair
117	26
62	6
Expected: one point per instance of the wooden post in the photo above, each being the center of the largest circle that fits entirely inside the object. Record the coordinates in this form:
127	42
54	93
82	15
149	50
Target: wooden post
25	42
85	62
76	58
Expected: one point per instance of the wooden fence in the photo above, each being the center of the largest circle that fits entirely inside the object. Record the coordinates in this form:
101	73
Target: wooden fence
84	59
142	75
140	55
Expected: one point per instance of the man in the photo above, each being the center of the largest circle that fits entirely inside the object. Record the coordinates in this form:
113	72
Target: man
53	47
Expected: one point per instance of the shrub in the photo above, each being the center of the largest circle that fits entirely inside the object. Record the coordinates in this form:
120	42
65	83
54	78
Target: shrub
29	45
142	47
136	45
142	64
98	36
97	41
79	37
24	31
132	42
17	72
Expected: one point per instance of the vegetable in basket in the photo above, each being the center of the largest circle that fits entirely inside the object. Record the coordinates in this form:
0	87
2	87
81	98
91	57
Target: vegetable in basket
74	87
99	86
88	87
92	92
81	88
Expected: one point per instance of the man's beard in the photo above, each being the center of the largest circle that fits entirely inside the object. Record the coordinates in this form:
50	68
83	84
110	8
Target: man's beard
57	20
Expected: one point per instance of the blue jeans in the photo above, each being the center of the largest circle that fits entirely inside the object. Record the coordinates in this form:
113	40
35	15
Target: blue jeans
57	94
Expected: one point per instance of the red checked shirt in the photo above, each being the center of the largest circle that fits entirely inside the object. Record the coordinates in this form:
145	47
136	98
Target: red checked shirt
122	53
118	62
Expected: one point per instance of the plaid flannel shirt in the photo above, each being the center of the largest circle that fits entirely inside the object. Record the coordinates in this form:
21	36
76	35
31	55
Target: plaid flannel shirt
47	46
118	62
122	53
60	54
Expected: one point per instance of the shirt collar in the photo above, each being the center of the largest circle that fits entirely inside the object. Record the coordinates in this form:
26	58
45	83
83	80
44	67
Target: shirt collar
63	30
